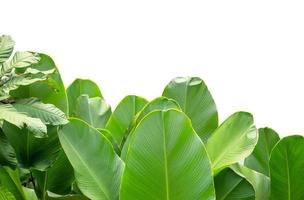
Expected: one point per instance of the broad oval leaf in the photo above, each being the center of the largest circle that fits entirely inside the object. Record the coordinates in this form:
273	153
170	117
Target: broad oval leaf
232	141
196	101
33	152
123	115
231	186
259	159
97	178
166	160
78	88
287	169
259	182
95	111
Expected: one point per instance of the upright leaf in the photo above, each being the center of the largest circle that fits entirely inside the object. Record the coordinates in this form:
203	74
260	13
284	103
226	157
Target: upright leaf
7	153
123	115
78	88
233	141
96	178
196	101
259	159
95	111
287	169
166	160
6	48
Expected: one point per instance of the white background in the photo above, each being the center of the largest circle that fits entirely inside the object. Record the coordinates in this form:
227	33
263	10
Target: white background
250	53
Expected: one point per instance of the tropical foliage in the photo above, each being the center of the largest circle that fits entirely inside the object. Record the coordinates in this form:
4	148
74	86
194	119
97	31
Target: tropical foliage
58	143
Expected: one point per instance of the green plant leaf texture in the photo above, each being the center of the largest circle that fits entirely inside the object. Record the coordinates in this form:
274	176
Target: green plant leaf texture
6	48
7	152
48	113
232	141
96	178
95	111
166	160
259	159
123	115
196	101
287	169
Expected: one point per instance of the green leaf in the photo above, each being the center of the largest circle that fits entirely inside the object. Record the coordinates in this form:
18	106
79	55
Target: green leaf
123	115
259	182
230	186
6	48
259	159
10	180
159	103
232	141
166	160
287	169
33	152
10	114
50	91
52	196
5	194
78	88
96	178
196	101
20	60
48	113
95	111
7	153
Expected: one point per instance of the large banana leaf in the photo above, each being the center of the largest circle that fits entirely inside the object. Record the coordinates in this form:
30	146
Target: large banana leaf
6	48
97	167
49	91
259	182
123	115
287	169
231	186
259	159
95	111
32	152
166	160
233	141
159	103
78	88
196	101
7	153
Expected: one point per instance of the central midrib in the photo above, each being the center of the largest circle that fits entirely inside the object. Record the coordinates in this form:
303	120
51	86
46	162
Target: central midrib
165	160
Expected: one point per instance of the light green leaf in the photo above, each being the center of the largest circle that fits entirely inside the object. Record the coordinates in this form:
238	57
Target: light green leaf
96	178
259	159
287	169
259	182
123	115
48	113
20	60
33	152
10	114
6	48
233	141
230	186
166	160
95	111
7	153
78	88
196	101
5	194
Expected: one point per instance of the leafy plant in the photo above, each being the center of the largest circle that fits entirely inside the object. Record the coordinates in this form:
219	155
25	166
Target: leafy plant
68	144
